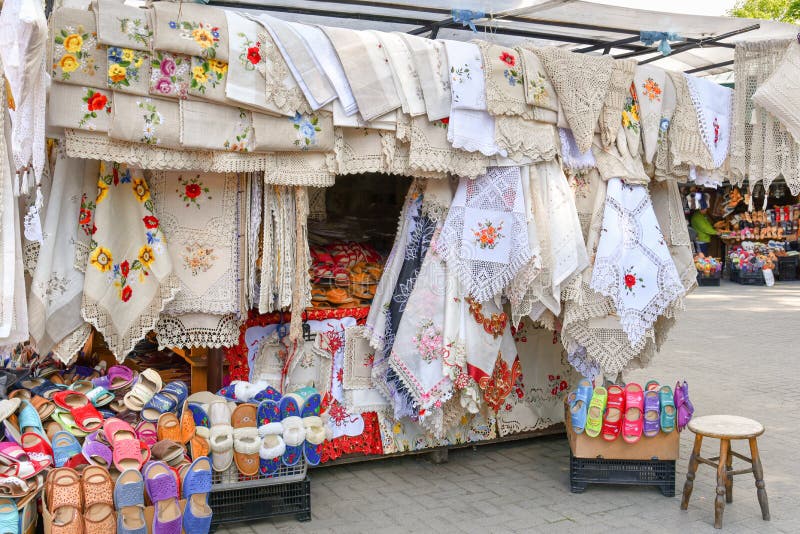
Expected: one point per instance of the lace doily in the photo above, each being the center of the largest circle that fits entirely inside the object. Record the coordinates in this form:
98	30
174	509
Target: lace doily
685	140
505	84
484	239
582	82
525	139
197	330
633	265
713	104
473	131
431	152
66	350
359	151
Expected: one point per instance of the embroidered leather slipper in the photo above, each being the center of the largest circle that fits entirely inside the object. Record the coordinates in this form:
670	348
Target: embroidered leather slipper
615	404
267	393
127	448
271	454
147	432
29	420
65	446
199	413
289	407
86	416
161	484
129	502
65	500
146	386
26	467
37	447
166	400
652	413
315	436
597	407
169	427
667	409
221	437
187	424
198	445
195	487
14	488
246	442
633	421
294	435
168	451
98	498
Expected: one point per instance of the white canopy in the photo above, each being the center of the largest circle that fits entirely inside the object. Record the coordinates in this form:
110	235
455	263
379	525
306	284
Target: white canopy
575	24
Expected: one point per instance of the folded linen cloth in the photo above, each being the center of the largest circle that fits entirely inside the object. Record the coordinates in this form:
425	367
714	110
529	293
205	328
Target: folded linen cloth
191	29
83	108
311	132
76	57
367	69
430	62
212	126
406	78
121	25
143	119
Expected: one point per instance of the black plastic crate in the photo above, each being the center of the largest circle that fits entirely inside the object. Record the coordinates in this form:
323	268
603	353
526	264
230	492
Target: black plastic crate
659	473
787	268
261	502
713	280
748	278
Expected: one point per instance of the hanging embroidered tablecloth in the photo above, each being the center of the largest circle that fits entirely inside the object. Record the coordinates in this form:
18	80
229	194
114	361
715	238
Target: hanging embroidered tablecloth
129	277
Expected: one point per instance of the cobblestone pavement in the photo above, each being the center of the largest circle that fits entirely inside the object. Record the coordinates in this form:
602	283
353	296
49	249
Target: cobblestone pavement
739	349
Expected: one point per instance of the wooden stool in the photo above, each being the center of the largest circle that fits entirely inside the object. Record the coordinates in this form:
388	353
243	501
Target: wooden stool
726	428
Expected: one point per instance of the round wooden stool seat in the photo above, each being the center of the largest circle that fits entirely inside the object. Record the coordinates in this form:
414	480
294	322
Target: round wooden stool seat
726	426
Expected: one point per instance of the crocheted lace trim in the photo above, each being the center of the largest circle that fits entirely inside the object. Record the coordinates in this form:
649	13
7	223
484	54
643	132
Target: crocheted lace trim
172	332
523	138
436	155
618	91
685	142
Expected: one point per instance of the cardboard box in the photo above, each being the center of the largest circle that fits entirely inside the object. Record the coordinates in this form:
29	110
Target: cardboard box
660	447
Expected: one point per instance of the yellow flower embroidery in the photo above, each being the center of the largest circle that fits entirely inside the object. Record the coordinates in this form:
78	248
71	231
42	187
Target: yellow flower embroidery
69	63
138	62
127	54
199	75
101	259
116	72
626	121
146	255
73	43
102	190
220	67
203	37
141	190
397	428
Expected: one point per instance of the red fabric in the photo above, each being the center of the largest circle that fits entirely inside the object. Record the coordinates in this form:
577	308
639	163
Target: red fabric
369	442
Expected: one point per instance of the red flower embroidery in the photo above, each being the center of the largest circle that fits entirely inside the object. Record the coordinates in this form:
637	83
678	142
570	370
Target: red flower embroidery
85	216
125	268
115	174
150	222
508	59
445	120
126	293
96	101
253	55
340	375
193	190
630	281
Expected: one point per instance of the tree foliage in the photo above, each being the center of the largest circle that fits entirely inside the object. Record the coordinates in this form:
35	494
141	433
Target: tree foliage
781	10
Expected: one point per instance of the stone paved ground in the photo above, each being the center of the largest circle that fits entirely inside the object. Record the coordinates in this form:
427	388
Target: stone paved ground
739	349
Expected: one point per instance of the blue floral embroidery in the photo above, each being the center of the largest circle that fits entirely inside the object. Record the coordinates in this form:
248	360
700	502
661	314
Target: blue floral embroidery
307	128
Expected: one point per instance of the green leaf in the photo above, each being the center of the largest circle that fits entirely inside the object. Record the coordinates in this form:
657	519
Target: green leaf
59	40
136	265
125	64
64	32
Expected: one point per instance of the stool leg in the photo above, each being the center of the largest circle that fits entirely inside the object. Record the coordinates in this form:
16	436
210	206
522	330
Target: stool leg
729	477
758	473
688	486
722	477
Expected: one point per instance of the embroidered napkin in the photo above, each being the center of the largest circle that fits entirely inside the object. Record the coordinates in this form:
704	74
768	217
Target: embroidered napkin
191	29
170	75
324	55
359	150
199	214
539	90
714	106
246	76
467	83
472	131
367	70
77	58
505	84
485	239
215	127
633	265
525	140
581	82
571	157
358	358
54	301
649	82
341	119
129	70
779	93
430	62
142	119
431	152
84	108
406	78
308	132
129	277
283	94
311	79
124	26
209	77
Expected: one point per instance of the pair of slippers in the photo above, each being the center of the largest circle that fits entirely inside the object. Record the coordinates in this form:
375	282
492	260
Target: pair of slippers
162	483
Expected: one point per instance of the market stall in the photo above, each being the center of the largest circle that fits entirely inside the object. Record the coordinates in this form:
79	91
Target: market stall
248	245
